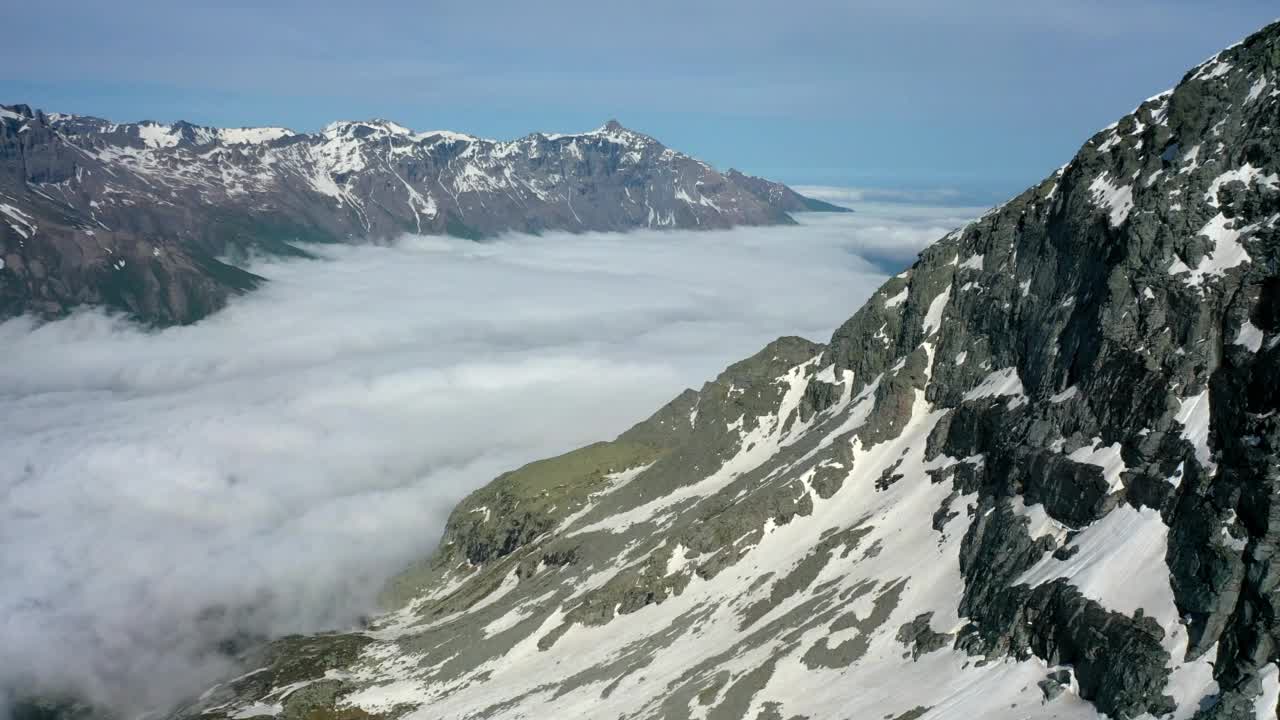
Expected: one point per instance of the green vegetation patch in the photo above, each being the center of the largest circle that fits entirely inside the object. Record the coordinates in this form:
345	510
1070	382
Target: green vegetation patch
505	515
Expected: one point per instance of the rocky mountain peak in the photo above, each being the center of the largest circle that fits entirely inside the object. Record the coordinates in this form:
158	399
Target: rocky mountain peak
74	189
16	112
361	129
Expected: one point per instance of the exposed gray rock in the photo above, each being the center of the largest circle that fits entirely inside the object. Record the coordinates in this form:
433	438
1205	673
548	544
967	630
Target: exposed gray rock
920	638
1054	684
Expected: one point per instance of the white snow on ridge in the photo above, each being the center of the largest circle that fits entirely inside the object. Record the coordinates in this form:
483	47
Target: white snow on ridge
756	446
1065	395
1039	524
1120	563
1227	252
896	300
1106	457
1265	705
1255	92
613	482
1247	174
947	680
1194	416
252	136
445	136
1004	381
156	135
1249	336
1189	682
509	583
933	318
1215	67
1192	160
1117	199
22	223
516	615
258	709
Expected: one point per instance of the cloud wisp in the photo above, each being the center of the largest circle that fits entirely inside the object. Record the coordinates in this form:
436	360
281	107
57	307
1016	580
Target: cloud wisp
889	227
264	471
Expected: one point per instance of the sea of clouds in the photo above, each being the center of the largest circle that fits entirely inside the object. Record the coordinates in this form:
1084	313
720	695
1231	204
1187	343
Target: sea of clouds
265	470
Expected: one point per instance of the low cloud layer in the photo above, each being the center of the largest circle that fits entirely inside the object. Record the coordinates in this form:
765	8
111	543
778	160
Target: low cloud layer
889	227
266	470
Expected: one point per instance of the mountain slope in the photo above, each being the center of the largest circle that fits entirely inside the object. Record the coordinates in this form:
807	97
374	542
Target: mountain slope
135	215
1036	475
780	196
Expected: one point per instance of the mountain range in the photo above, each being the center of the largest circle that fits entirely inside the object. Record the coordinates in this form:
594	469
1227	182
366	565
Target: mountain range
1036	475
151	219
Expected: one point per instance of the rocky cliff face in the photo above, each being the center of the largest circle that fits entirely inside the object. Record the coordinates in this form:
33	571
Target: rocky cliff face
136	215
1036	475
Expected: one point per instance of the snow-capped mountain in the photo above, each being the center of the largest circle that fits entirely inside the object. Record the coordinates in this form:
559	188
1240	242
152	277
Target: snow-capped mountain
1036	475
135	215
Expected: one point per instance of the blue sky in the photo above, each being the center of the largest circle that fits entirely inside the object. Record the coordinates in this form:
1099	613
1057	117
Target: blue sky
982	96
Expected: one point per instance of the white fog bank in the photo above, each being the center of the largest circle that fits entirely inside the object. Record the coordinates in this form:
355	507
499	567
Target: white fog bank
265	470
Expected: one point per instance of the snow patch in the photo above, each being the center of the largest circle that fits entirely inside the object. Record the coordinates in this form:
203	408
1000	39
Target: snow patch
1189	682
1265	705
1106	457
896	300
1214	68
1255	92
508	584
1194	415
156	135
1120	563
999	383
252	136
1116	199
756	446
933	318
22	223
1039	524
1227	251
1247	174
1065	395
1249	336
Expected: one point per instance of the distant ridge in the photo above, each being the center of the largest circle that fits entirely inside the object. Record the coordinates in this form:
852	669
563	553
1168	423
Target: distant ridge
134	216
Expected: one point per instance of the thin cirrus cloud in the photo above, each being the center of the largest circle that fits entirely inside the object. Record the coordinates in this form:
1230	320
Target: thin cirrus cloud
264	471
